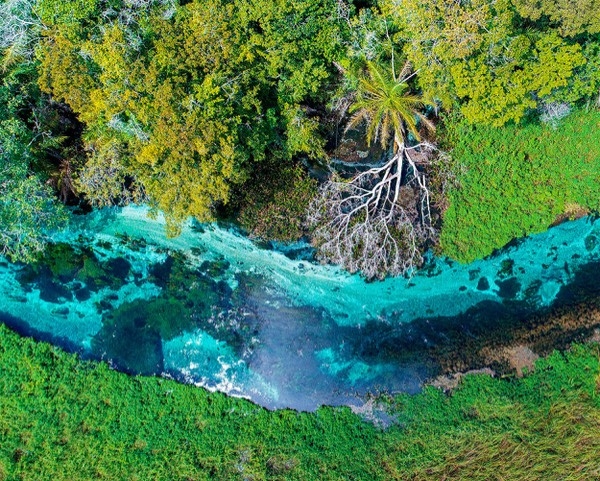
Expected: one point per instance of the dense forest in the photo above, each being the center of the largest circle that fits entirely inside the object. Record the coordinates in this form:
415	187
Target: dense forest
370	126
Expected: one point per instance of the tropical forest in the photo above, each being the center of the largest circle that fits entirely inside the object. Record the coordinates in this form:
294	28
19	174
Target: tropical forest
299	240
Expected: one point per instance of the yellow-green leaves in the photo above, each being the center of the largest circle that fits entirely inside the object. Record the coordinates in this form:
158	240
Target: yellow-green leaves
497	94
473	55
70	15
572	17
192	99
64	72
438	34
555	62
303	134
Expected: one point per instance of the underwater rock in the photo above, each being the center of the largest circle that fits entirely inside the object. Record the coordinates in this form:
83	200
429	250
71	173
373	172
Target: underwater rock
506	268
531	292
580	286
60	267
63	261
474	274
53	292
509	288
590	242
61	311
118	268
215	268
97	275
160	272
166	318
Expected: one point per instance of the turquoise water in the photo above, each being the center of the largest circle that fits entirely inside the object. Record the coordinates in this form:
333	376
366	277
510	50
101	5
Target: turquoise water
212	308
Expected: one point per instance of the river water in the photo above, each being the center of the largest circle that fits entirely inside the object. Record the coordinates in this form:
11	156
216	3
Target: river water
212	308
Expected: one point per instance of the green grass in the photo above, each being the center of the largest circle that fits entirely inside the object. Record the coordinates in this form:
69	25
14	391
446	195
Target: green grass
65	419
518	180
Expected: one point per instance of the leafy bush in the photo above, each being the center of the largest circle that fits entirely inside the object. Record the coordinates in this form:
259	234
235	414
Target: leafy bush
275	208
28	208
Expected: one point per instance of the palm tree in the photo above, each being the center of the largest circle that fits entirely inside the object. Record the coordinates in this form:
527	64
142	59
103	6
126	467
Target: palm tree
385	103
363	223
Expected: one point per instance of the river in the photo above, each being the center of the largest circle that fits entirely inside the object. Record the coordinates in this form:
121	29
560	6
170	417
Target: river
265	322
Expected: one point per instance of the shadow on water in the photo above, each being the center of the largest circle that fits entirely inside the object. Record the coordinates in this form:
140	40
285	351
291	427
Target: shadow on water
307	356
24	328
470	339
312	360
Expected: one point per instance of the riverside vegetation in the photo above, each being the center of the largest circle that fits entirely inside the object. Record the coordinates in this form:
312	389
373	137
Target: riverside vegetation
519	180
64	418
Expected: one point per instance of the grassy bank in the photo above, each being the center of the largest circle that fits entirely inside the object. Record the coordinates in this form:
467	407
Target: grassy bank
518	180
61	418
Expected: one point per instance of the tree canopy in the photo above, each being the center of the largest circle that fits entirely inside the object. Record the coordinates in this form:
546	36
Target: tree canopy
186	101
28	207
222	108
485	57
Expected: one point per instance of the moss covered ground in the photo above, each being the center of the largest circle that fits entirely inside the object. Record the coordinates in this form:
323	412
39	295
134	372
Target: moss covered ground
519	180
62	418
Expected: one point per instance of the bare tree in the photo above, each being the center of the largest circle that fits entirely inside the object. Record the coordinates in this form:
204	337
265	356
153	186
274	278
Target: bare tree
378	221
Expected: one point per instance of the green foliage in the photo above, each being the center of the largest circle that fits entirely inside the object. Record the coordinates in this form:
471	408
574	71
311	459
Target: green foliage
62	418
28	209
518	180
477	56
571	17
585	84
497	95
54	13
187	102
275	209
104	180
18	30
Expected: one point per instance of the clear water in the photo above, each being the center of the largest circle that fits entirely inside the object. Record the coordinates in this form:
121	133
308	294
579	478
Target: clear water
210	307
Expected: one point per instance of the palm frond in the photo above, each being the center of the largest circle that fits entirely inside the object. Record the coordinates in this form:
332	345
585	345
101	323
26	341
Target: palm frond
387	107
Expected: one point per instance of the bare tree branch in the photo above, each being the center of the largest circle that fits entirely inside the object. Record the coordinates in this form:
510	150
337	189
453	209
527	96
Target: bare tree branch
378	221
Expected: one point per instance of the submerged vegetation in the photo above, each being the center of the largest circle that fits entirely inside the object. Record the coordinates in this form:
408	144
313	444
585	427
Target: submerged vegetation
63	418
